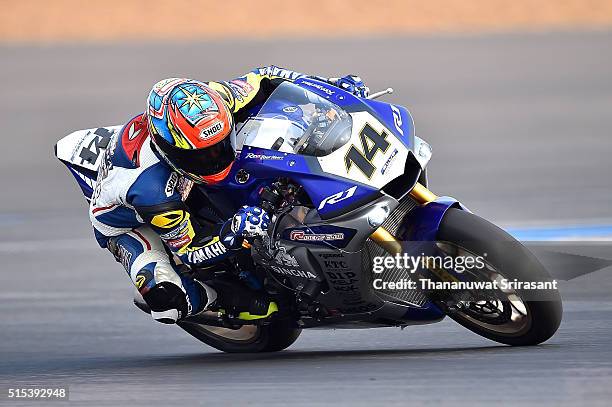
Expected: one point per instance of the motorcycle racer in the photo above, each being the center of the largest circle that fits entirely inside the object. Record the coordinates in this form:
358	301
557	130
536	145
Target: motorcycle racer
138	208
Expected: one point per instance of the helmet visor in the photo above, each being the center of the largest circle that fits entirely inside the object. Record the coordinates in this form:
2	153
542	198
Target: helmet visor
201	162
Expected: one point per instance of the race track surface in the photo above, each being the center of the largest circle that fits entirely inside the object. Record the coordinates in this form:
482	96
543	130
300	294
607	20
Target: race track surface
520	126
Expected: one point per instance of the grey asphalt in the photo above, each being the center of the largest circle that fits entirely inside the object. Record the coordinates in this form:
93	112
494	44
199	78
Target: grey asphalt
520	125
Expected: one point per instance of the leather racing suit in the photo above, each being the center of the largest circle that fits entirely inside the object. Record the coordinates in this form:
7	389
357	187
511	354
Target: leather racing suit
138	210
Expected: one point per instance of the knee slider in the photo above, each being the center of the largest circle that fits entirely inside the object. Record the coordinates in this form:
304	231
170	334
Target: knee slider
167	302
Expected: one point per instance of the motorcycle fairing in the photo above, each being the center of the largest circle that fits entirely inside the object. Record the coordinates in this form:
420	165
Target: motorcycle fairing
421	224
263	164
333	183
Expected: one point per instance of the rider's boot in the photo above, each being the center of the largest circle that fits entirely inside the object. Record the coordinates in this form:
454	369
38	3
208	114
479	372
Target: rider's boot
171	308
236	300
229	298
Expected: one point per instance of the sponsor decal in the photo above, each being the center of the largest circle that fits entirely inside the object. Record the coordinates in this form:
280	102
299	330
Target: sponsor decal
294	273
171	184
341	279
133	138
140	280
124	256
265	157
320	87
181	231
397	119
179	242
337	197
320	235
212	131
275	71
331	255
290	109
210	251
241	88
303	236
388	162
170	219
78	146
176	233
335	264
286	259
184	187
132	132
144	280
106	165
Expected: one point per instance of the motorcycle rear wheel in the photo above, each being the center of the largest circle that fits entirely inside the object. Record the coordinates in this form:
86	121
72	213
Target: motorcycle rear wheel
540	316
274	337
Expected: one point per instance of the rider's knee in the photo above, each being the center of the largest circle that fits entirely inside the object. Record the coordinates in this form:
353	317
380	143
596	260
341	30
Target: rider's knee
167	301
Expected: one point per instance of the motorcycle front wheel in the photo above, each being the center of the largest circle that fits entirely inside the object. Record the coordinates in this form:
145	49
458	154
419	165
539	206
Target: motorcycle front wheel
516	317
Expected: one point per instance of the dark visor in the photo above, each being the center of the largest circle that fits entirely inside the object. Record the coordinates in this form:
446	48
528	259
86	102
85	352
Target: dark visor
203	162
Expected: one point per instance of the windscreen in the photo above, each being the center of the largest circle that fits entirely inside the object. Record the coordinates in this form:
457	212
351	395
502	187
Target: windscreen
295	120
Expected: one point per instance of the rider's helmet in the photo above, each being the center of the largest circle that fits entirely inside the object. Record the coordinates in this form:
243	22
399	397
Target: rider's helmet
191	127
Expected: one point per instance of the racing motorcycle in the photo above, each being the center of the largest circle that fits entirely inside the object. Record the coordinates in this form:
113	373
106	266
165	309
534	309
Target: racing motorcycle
344	181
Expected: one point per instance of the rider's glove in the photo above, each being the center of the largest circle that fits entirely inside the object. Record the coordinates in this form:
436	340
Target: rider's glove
353	84
250	221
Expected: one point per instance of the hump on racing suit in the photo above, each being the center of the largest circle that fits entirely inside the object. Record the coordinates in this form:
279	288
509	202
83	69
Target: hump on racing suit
82	151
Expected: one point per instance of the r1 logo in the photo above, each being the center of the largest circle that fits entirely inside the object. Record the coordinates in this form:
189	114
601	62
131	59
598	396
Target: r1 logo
337	197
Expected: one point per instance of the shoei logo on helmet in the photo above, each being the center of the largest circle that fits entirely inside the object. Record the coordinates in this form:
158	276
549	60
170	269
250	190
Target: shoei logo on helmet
212	131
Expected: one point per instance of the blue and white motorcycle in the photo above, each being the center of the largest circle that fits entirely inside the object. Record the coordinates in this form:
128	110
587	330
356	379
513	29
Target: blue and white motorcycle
344	180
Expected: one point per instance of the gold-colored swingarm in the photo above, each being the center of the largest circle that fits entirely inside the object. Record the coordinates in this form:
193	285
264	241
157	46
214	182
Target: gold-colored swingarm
386	240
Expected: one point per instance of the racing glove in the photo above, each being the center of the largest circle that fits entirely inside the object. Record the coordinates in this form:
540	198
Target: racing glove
248	222
353	84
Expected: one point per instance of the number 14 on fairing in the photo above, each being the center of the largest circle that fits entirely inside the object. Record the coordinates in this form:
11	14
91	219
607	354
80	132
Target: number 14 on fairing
371	143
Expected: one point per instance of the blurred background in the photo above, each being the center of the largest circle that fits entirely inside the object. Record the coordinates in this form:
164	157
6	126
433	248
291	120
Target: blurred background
514	96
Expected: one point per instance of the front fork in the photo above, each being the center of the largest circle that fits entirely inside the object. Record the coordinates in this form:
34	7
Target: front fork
386	240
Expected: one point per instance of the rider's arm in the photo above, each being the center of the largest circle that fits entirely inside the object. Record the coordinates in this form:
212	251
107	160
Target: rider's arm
195	243
253	88
156	200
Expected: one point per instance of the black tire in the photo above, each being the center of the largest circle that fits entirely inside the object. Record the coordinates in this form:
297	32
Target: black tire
512	260
274	337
